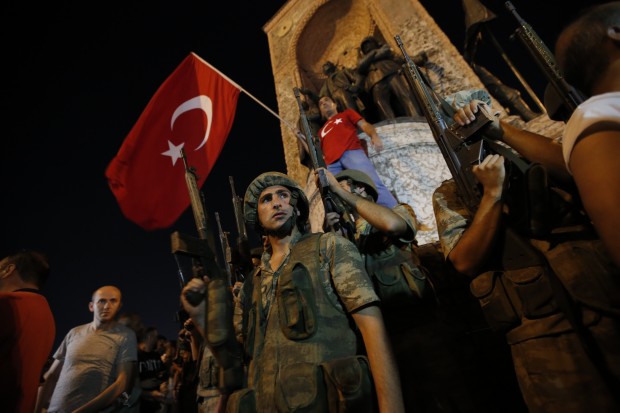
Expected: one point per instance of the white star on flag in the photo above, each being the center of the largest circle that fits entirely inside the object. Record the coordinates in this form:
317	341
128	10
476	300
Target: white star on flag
174	151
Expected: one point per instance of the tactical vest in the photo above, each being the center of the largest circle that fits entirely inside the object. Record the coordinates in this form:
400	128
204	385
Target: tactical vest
514	299
299	332
395	268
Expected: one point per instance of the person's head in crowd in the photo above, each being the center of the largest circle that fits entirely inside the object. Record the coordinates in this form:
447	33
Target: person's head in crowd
23	269
147	340
594	37
105	304
359	183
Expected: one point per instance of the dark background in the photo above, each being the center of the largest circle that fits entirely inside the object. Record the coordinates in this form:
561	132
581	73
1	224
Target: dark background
77	75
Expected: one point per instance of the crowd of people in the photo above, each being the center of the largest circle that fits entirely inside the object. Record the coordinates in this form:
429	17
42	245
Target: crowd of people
327	321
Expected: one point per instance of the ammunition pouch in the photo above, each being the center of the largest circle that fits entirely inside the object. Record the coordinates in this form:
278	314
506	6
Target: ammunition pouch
298	315
400	285
397	275
337	386
507	296
220	335
349	385
588	273
241	401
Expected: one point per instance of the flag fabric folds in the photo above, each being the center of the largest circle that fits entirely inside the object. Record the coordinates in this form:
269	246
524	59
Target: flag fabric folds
193	110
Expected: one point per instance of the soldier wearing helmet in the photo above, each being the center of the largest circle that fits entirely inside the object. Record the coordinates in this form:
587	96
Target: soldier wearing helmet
296	311
386	240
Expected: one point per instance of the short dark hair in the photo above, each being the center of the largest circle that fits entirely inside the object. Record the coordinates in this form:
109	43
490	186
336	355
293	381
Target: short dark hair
32	266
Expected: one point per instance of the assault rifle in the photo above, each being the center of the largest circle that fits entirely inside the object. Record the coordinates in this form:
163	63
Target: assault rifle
219	330
200	248
331	203
465	146
243	261
226	253
570	97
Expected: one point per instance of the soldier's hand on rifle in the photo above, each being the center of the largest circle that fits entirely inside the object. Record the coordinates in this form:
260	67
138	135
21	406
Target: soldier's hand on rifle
467	114
334	185
331	219
196	287
491	173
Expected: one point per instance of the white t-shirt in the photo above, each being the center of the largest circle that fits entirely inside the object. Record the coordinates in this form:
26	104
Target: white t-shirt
599	108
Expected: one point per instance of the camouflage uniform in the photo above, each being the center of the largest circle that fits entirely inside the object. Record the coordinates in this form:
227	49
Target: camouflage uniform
295	317
392	263
207	391
554	372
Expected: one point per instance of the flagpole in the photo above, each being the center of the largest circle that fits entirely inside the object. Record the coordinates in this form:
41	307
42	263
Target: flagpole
293	129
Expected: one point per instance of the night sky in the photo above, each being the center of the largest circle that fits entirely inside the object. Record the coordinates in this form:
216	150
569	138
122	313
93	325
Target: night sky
77	76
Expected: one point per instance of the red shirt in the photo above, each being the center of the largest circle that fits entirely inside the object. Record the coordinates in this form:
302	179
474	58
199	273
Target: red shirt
339	134
27	332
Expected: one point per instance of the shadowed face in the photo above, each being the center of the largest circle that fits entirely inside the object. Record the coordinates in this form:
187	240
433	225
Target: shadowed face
105	304
327	107
274	207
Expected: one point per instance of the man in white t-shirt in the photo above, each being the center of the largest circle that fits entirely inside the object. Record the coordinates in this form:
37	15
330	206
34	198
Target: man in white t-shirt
588	54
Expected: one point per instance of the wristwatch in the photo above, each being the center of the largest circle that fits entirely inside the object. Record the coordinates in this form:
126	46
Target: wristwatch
124	398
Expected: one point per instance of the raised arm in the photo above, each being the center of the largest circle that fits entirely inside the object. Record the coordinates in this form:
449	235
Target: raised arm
380	217
532	146
474	246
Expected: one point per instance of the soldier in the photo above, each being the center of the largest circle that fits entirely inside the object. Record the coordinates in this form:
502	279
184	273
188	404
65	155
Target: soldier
298	308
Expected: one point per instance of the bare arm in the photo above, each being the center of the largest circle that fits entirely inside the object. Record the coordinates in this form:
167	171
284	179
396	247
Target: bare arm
532	146
108	396
472	250
380	217
382	363
596	167
370	130
49	384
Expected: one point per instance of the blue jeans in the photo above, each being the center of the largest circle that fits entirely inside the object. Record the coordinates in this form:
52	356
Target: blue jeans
357	159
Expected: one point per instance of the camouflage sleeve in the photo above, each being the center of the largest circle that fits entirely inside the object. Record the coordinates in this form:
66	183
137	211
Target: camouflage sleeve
451	215
459	99
408	214
349	277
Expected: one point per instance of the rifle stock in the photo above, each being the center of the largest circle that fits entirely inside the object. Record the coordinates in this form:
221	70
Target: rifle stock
545	60
331	203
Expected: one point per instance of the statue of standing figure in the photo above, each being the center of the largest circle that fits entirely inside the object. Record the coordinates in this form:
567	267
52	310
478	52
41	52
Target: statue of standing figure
342	84
384	81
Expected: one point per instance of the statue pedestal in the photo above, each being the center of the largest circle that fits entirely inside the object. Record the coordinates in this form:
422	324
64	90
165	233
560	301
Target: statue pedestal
412	167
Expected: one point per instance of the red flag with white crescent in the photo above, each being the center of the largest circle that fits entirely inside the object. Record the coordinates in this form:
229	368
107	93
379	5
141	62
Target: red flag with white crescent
192	110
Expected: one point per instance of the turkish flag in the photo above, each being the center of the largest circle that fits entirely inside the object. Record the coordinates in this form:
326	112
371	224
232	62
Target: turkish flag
192	110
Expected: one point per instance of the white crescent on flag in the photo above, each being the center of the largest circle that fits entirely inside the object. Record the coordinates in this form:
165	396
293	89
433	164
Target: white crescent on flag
199	102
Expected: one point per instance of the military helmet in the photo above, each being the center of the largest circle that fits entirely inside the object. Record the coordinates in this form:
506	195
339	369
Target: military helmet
360	177
265	180
366	41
